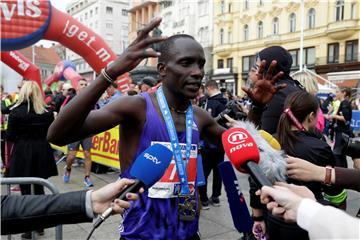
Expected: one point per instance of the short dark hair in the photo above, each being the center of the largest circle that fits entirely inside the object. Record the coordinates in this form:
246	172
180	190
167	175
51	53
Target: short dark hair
211	84
167	45
347	91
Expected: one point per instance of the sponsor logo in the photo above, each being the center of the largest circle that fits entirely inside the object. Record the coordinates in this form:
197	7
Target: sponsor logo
29	8
22	64
241	146
237	137
152	158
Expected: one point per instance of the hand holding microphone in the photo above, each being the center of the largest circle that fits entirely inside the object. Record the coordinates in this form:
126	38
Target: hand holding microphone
146	170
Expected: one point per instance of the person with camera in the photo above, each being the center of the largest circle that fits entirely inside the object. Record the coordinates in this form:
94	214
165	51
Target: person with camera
211	154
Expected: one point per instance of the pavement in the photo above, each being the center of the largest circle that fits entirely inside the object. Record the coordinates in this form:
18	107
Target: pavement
215	223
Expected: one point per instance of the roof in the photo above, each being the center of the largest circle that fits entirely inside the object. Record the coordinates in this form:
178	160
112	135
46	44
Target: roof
42	55
347	83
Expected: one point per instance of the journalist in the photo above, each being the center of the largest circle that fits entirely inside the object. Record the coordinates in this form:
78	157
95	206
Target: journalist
30	212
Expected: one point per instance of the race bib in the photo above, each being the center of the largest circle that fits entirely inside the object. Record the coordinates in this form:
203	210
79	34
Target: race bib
169	184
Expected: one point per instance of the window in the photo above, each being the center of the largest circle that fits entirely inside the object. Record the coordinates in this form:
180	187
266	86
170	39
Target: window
229	36
221	36
91	13
109	25
261	2
246	32
260	30
124	12
339	10
220	63
247	62
353	11
222	7
294	55
229	7
96	10
311	18
351	51
246	4
292	22
109	10
229	63
309	55
109	36
275	24
333	53
86	15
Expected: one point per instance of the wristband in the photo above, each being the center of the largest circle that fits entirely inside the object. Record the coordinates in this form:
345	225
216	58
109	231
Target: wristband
258	218
327	180
108	78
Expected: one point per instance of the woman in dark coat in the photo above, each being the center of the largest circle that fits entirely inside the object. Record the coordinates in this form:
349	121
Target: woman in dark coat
32	155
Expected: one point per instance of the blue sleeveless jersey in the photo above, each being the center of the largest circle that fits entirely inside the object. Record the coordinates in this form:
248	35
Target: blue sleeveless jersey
157	218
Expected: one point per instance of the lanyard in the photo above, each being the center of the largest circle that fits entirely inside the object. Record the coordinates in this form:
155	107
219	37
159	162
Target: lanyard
180	165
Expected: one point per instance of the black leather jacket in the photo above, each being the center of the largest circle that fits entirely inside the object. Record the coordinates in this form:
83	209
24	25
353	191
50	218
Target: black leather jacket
30	212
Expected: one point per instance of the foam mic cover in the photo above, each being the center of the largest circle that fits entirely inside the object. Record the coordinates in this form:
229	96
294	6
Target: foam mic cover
243	153
272	161
270	139
238	208
148	168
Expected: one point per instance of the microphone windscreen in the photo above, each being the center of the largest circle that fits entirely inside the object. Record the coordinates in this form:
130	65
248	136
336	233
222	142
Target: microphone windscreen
151	164
240	147
270	139
272	161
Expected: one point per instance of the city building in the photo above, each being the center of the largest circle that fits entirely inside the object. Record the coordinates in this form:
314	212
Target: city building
141	13
194	18
44	58
243	28
107	18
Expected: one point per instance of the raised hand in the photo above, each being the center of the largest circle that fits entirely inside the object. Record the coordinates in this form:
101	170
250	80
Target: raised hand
264	88
137	51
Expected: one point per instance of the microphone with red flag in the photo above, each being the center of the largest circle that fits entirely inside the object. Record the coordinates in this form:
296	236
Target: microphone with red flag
244	154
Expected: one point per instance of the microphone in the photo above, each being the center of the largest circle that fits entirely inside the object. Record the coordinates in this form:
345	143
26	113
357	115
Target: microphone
272	159
243	153
146	170
237	204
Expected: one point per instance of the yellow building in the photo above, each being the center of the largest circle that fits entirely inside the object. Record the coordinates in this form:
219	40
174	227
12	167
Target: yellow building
243	28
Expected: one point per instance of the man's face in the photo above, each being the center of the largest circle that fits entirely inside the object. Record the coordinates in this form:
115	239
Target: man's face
81	85
184	70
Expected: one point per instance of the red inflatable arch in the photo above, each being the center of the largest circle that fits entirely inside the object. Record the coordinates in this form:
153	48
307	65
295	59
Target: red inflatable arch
24	22
22	66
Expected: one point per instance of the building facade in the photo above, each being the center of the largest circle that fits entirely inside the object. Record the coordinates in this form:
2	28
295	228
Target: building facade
107	18
243	28
141	13
192	17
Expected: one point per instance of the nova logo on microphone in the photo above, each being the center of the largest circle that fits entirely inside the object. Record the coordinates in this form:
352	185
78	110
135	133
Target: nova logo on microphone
239	138
152	158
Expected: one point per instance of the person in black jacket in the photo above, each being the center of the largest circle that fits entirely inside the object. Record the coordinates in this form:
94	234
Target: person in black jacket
267	115
211	154
30	212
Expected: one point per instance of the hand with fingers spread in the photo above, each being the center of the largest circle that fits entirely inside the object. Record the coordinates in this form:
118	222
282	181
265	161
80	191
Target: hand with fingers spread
102	198
137	51
264	87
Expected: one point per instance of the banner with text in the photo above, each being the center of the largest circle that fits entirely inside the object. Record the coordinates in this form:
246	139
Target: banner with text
105	148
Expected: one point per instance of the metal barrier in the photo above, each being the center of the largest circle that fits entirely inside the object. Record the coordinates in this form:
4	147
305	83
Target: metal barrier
33	180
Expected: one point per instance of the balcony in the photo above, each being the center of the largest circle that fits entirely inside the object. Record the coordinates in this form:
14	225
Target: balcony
322	64
223	50
272	40
342	29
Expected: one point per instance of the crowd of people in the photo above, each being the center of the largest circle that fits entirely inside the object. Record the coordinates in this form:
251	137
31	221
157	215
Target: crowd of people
178	111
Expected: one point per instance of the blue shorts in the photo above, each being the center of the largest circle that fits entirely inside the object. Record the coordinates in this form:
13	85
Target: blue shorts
86	145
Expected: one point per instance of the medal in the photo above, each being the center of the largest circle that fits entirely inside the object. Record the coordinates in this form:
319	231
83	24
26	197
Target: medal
187	207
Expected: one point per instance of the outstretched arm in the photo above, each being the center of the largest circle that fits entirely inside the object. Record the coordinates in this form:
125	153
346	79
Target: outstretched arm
77	121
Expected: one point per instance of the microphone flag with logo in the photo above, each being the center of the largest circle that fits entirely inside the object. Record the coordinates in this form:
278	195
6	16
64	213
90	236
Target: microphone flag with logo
242	151
237	204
